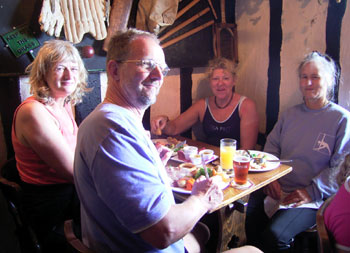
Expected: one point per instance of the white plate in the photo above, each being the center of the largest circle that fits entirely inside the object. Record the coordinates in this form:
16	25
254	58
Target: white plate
269	166
177	159
223	186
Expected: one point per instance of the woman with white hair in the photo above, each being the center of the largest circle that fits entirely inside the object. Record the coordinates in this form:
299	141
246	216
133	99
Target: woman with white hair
314	135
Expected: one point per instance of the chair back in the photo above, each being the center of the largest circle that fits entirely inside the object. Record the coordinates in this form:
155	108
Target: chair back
325	243
72	238
12	191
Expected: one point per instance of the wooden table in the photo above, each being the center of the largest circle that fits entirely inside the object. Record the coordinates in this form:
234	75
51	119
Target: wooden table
232	223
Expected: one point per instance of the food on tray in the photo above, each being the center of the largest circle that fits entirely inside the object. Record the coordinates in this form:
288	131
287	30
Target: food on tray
196	159
171	143
201	172
189	166
196	156
206	154
190	150
263	164
185	175
255	164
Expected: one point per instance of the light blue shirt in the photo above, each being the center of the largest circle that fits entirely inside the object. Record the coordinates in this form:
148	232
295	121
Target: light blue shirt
121	182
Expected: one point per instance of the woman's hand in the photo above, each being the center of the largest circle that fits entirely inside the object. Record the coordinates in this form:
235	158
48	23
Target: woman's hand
297	198
208	191
158	123
273	190
249	124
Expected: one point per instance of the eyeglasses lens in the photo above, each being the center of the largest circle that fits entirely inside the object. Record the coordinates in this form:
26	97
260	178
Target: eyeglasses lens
150	65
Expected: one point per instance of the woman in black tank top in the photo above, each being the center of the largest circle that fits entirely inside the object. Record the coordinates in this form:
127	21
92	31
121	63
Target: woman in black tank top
226	114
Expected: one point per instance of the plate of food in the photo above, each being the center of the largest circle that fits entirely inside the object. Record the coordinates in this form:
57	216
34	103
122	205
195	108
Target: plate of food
262	166
172	143
183	177
180	157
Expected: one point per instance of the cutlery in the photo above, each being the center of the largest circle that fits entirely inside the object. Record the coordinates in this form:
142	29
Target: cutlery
246	150
204	167
279	161
179	145
261	160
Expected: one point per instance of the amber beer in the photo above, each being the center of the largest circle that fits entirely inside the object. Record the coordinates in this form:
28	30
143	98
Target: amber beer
241	166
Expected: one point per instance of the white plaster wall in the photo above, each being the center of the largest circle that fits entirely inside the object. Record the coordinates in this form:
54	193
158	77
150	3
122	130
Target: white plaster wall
252	18
344	87
24	88
168	100
200	84
303	30
303	26
103	82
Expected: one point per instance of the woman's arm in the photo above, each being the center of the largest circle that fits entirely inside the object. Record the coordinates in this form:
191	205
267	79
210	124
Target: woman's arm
273	145
36	128
249	126
324	184
180	124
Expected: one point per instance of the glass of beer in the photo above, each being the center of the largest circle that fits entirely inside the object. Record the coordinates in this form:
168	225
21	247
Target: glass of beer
241	166
227	152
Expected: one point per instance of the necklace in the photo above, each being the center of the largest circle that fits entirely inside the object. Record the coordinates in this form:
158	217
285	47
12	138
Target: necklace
223	107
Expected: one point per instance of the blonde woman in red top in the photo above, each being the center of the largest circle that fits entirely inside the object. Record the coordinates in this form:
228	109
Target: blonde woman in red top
44	135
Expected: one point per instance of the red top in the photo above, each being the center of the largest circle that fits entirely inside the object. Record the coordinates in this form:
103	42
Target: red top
32	169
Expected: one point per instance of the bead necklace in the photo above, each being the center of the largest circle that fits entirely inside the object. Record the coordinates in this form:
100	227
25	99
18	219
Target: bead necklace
223	107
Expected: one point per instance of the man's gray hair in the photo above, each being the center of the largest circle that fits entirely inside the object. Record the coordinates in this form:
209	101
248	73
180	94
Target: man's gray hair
119	45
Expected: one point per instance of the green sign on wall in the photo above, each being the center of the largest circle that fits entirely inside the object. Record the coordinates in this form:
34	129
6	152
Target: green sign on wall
20	40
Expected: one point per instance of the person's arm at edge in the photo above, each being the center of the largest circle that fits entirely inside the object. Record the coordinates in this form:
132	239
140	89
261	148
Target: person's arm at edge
249	126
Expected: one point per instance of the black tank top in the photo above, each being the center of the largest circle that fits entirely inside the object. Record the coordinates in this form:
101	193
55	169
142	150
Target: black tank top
216	130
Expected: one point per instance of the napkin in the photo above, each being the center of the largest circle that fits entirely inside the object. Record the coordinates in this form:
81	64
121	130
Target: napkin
271	205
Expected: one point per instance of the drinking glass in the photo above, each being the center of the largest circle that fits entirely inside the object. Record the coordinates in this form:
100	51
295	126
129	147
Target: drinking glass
227	152
241	166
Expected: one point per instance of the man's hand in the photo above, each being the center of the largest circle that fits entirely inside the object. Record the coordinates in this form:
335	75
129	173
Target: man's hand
164	153
208	191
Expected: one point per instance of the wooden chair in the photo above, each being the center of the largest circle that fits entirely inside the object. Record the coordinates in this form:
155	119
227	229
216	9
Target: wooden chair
72	238
10	186
325	242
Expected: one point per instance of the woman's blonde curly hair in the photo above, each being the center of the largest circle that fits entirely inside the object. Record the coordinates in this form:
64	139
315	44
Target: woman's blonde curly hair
51	53
221	63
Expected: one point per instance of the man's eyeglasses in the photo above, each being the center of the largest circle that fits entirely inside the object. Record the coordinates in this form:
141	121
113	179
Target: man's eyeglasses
149	65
